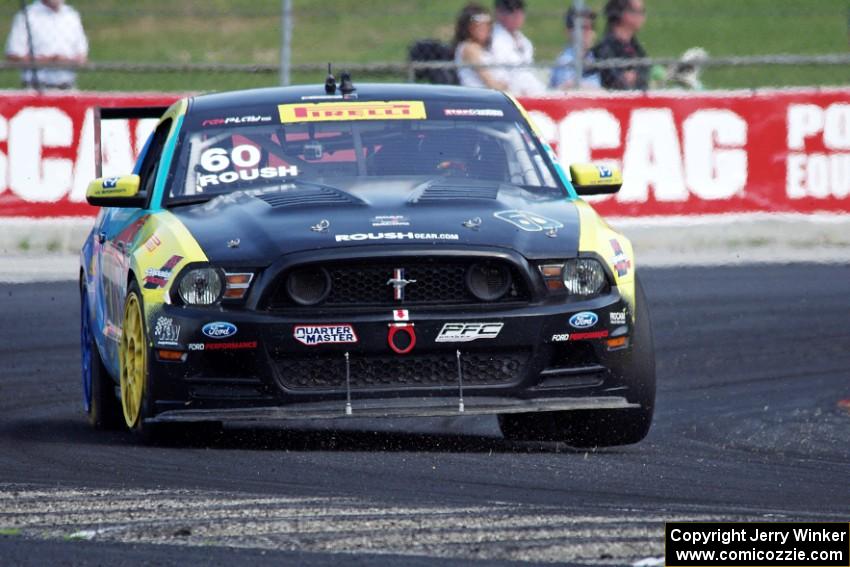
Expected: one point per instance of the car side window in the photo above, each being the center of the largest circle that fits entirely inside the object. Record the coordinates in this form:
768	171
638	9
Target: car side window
150	163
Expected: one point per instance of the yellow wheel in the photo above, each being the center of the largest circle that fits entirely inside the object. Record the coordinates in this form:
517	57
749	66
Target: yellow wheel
133	359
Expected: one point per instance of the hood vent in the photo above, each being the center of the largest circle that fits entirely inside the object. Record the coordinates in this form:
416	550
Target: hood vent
307	197
456	193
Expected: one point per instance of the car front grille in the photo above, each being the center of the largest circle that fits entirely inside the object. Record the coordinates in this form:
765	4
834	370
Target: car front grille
438	281
426	370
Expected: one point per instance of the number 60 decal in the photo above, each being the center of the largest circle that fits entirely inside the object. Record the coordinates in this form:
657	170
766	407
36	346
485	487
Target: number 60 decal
216	159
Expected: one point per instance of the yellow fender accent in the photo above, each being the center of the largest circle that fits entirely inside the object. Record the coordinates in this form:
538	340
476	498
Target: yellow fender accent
613	247
162	248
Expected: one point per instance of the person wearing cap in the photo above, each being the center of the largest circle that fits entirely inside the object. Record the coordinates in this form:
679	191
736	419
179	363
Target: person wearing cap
472	38
52	32
625	19
510	46
564	72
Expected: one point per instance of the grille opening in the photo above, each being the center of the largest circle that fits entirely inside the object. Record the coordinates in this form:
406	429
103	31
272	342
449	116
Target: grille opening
416	370
439	282
573	355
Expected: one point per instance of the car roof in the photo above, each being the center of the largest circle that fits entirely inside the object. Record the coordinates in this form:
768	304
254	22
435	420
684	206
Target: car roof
365	92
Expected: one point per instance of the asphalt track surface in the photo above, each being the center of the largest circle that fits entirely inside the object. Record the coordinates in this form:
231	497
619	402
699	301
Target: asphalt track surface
753	362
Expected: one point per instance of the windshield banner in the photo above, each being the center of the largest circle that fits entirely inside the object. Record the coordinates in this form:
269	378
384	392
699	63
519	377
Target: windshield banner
768	151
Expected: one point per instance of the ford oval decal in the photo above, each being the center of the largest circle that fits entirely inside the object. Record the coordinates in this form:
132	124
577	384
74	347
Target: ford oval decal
583	320
219	330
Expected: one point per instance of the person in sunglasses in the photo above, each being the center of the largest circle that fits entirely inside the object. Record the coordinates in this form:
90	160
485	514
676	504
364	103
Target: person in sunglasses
625	18
564	73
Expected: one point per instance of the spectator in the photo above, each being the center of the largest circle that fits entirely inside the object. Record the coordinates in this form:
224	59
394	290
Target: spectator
625	18
564	72
510	46
472	38
686	73
57	36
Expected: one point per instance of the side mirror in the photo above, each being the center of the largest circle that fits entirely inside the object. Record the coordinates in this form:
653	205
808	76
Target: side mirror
590	179
115	192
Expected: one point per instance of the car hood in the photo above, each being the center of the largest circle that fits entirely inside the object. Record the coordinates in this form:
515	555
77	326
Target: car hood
257	227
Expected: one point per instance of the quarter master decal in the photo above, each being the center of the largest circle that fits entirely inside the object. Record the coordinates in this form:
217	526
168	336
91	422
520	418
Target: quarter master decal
312	335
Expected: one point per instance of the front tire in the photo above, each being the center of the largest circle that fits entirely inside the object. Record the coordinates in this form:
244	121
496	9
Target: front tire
601	428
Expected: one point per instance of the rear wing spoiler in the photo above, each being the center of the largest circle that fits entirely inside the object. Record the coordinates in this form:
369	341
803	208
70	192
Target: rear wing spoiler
119	113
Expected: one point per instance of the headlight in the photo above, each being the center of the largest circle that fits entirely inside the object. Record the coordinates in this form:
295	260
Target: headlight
583	276
201	286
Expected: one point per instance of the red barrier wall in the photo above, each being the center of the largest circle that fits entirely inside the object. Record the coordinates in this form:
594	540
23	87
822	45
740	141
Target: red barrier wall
683	154
47	149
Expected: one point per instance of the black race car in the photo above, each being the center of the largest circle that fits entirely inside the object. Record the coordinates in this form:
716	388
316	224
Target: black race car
394	250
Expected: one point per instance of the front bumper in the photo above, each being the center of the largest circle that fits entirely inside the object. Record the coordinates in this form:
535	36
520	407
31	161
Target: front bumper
398	407
262	372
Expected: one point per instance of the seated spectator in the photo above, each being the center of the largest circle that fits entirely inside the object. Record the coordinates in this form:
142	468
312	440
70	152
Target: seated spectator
510	47
564	72
625	19
54	33
428	50
686	73
472	37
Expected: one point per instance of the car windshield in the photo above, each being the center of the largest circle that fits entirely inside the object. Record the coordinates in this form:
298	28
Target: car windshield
219	155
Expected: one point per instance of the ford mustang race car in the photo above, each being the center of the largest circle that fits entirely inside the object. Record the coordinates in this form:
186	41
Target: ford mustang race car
385	251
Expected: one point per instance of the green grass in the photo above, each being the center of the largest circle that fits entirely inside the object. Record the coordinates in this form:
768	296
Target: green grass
248	31
10	532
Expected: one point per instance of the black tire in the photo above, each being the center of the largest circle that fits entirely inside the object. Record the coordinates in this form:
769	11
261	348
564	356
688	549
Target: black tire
601	428
104	411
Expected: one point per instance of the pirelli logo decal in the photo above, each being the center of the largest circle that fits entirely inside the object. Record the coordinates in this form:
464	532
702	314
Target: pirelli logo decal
333	111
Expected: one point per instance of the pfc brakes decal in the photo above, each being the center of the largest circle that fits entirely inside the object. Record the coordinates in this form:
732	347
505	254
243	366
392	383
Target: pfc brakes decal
465	332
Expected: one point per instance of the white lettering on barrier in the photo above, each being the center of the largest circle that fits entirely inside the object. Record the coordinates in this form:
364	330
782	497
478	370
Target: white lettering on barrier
818	175
544	123
118	155
715	161
652	157
583	131
711	163
804	120
4	164
808	120
703	158
836	127
34	177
